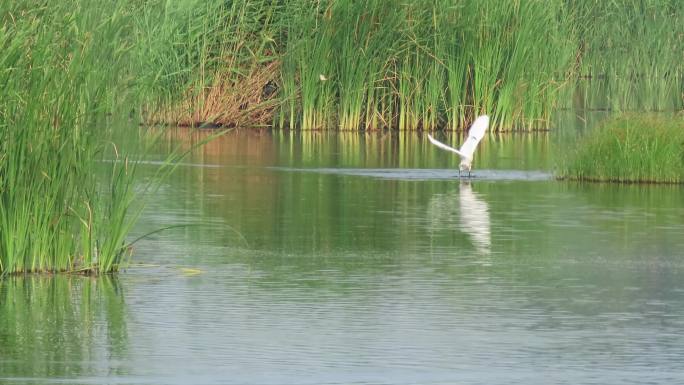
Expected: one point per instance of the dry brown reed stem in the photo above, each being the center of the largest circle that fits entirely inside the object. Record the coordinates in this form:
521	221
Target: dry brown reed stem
229	101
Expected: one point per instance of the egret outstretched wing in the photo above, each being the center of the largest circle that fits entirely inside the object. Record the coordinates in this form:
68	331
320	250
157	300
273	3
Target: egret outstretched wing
475	135
443	146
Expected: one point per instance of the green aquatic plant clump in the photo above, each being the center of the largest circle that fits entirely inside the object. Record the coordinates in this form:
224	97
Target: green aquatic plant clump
629	149
75	81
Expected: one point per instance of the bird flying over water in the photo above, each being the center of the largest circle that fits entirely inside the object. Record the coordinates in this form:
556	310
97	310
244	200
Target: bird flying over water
475	135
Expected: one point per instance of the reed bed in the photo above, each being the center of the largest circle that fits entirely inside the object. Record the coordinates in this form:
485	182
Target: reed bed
352	65
431	64
630	54
629	149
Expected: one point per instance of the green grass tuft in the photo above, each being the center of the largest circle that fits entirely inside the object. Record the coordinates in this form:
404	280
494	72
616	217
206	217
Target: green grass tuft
629	149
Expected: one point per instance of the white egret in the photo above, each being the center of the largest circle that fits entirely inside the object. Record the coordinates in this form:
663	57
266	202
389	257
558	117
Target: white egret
475	135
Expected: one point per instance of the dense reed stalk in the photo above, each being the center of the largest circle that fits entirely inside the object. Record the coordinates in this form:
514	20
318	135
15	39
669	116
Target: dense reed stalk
427	64
216	60
342	64
65	87
629	149
630	53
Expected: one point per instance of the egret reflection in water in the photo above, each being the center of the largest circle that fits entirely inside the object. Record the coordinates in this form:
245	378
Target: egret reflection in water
474	218
462	211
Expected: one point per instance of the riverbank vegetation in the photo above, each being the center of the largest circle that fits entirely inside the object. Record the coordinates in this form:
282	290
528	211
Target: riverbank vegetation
629	149
418	65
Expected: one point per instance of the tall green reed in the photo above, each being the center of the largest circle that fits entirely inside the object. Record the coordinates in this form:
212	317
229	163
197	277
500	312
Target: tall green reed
361	57
428	64
630	53
65	88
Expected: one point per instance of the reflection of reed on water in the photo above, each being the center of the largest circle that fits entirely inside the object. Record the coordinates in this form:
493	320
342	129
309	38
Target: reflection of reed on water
49	321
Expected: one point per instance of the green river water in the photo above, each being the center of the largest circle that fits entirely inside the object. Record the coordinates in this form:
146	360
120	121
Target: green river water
363	259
